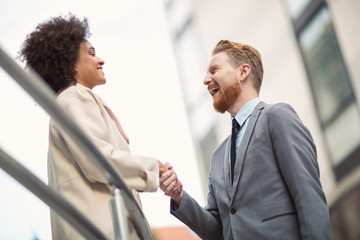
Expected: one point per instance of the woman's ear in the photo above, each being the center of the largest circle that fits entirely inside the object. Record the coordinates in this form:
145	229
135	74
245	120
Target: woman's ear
244	71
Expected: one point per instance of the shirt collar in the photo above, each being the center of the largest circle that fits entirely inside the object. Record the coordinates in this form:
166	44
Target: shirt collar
246	110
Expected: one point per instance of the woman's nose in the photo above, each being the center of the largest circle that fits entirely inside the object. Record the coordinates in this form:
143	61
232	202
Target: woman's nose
101	62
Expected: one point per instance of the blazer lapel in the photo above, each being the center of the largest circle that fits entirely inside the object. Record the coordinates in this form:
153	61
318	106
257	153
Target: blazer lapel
243	146
115	119
226	165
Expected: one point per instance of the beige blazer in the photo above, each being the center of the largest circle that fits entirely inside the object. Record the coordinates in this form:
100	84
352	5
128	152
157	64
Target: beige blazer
77	179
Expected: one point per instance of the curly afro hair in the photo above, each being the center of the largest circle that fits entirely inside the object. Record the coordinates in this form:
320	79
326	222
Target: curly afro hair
53	48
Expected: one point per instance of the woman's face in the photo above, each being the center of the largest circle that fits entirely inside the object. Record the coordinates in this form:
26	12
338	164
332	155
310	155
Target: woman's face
89	71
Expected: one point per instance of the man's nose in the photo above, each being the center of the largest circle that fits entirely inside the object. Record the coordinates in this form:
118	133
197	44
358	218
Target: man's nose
207	79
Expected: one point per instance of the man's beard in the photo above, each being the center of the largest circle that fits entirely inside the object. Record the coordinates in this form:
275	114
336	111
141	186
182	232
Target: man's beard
227	98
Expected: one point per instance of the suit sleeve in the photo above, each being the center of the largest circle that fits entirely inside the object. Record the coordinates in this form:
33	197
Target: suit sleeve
138	172
205	222
296	156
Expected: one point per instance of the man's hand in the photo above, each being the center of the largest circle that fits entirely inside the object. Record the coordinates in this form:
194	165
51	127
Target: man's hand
170	184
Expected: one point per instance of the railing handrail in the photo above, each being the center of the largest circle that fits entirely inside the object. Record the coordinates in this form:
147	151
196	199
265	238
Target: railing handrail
45	97
49	196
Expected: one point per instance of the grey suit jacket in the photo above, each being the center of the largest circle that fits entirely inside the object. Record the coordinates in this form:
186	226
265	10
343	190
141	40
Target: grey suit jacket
276	193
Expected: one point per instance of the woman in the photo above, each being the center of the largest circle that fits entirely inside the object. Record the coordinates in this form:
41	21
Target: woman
59	52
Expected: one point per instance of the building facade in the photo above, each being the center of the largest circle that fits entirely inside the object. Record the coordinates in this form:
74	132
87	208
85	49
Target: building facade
311	59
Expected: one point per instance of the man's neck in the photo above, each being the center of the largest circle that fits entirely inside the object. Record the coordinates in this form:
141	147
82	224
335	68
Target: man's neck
240	102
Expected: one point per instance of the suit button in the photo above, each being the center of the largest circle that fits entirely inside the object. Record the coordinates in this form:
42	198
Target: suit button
233	211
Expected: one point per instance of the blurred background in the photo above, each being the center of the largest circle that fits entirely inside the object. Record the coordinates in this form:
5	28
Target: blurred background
156	55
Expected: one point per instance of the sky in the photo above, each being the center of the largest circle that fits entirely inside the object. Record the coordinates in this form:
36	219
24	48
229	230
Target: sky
142	89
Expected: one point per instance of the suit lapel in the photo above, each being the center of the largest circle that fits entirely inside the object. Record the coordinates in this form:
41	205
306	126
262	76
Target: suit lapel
226	165
244	145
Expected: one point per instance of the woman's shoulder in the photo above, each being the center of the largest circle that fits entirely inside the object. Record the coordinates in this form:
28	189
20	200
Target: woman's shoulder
75	92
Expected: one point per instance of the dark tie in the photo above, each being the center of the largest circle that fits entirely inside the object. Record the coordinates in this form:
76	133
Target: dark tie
234	133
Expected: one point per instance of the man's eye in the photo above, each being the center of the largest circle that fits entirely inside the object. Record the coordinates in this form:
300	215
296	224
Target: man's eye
92	54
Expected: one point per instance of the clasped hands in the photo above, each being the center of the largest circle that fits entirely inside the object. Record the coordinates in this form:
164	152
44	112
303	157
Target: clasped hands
169	182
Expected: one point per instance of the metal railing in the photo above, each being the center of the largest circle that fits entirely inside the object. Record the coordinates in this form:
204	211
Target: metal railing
49	196
45	97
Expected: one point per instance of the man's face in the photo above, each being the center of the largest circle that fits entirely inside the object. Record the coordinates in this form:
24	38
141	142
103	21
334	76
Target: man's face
222	83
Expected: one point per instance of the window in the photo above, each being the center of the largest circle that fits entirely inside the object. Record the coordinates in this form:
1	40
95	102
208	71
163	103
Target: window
330	83
297	7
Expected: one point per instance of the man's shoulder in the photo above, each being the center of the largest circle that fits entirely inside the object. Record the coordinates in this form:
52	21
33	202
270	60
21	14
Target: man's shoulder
277	108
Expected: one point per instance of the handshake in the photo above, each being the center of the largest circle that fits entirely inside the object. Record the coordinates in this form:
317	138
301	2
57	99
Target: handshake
169	182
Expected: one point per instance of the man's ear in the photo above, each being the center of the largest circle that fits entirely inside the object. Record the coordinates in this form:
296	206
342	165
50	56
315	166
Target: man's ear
244	71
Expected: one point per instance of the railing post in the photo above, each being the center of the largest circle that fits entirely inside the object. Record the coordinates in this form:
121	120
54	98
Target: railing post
119	215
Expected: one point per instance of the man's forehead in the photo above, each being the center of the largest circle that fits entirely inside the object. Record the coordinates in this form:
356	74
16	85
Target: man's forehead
218	58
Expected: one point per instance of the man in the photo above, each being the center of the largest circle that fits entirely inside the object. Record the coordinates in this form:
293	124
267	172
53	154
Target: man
271	190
